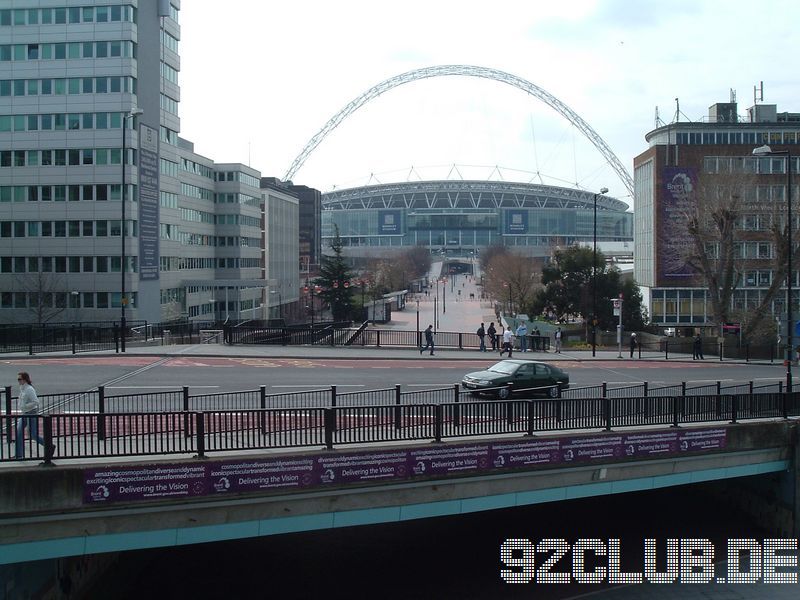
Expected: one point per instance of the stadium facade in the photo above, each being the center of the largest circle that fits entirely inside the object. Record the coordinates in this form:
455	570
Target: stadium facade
459	217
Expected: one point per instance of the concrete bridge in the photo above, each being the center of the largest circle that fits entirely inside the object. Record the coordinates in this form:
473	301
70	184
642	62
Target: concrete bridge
92	507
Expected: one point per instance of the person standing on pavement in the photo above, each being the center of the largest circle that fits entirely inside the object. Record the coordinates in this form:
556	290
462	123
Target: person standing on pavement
492	336
508	341
522	332
557	337
28	403
481	336
428	340
697	346
634	343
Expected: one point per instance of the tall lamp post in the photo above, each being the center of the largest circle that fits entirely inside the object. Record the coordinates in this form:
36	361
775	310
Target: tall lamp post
123	300
594	275
767	151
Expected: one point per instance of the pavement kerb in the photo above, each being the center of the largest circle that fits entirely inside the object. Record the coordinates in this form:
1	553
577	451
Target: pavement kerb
375	354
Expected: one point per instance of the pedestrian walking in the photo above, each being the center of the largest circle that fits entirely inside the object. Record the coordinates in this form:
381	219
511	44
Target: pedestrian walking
28	403
634	343
697	346
535	336
492	336
557	337
522	331
481	336
508	341
428	340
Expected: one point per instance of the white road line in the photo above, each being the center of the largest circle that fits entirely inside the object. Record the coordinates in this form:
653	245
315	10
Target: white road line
428	384
338	385
154	387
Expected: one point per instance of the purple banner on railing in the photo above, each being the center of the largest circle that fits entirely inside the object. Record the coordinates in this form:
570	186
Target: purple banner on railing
269	474
511	455
149	482
650	443
315	470
446	460
694	440
583	448
360	467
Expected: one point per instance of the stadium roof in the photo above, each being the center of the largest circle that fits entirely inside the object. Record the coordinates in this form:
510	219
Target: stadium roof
465	194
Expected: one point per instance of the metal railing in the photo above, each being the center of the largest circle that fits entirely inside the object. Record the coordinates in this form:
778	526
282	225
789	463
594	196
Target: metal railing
81	435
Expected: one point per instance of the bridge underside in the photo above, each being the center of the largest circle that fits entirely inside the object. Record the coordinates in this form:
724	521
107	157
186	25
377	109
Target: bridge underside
70	527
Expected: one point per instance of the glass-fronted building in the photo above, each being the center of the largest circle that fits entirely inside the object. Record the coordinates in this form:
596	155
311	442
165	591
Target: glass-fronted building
461	217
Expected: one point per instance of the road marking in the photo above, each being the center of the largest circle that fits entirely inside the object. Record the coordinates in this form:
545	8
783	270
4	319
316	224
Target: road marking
429	385
338	385
154	387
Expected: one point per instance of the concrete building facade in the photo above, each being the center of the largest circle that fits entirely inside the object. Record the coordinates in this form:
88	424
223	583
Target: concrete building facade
89	99
690	166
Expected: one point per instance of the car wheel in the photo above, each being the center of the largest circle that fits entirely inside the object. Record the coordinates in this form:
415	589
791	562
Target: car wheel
553	392
503	393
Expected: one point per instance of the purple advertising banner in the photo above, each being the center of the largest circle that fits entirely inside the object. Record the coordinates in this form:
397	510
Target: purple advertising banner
362	467
676	201
696	440
151	482
650	443
149	202
267	474
446	460
591	448
315	470
511	455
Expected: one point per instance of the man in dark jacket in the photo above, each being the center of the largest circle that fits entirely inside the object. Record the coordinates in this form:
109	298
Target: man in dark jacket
492	336
428	340
481	335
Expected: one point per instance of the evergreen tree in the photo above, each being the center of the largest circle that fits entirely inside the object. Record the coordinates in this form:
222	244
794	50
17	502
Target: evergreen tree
334	281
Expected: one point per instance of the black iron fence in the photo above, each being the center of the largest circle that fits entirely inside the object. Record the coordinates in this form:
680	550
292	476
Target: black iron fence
82	435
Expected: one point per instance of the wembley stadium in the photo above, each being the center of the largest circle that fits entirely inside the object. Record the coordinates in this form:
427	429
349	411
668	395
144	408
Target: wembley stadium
459	218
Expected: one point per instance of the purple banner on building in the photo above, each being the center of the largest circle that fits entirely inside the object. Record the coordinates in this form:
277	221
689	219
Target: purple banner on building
676	202
389	222
516	222
269	474
509	455
361	467
148	203
149	482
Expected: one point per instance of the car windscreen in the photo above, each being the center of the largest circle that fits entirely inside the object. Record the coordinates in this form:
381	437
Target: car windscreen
503	367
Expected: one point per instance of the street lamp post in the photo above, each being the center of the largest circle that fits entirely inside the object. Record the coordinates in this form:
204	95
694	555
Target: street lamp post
594	275
134	112
767	151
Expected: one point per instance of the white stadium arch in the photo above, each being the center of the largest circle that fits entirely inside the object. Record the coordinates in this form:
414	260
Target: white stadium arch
465	71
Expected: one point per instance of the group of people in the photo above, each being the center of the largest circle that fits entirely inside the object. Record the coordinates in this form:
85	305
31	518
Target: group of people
507	344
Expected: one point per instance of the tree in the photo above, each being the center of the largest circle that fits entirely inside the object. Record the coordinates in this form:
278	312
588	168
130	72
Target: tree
334	281
722	215
510	279
47	298
567	289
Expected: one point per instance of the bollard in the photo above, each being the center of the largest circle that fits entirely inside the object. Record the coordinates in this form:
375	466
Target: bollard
72	337
604	393
378	338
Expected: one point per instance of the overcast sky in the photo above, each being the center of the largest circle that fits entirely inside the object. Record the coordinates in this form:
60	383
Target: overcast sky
259	79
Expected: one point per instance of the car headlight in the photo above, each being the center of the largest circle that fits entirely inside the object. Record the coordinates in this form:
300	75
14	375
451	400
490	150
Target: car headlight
484	382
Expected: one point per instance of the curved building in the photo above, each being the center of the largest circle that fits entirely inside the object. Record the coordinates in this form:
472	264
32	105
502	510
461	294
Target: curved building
461	217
